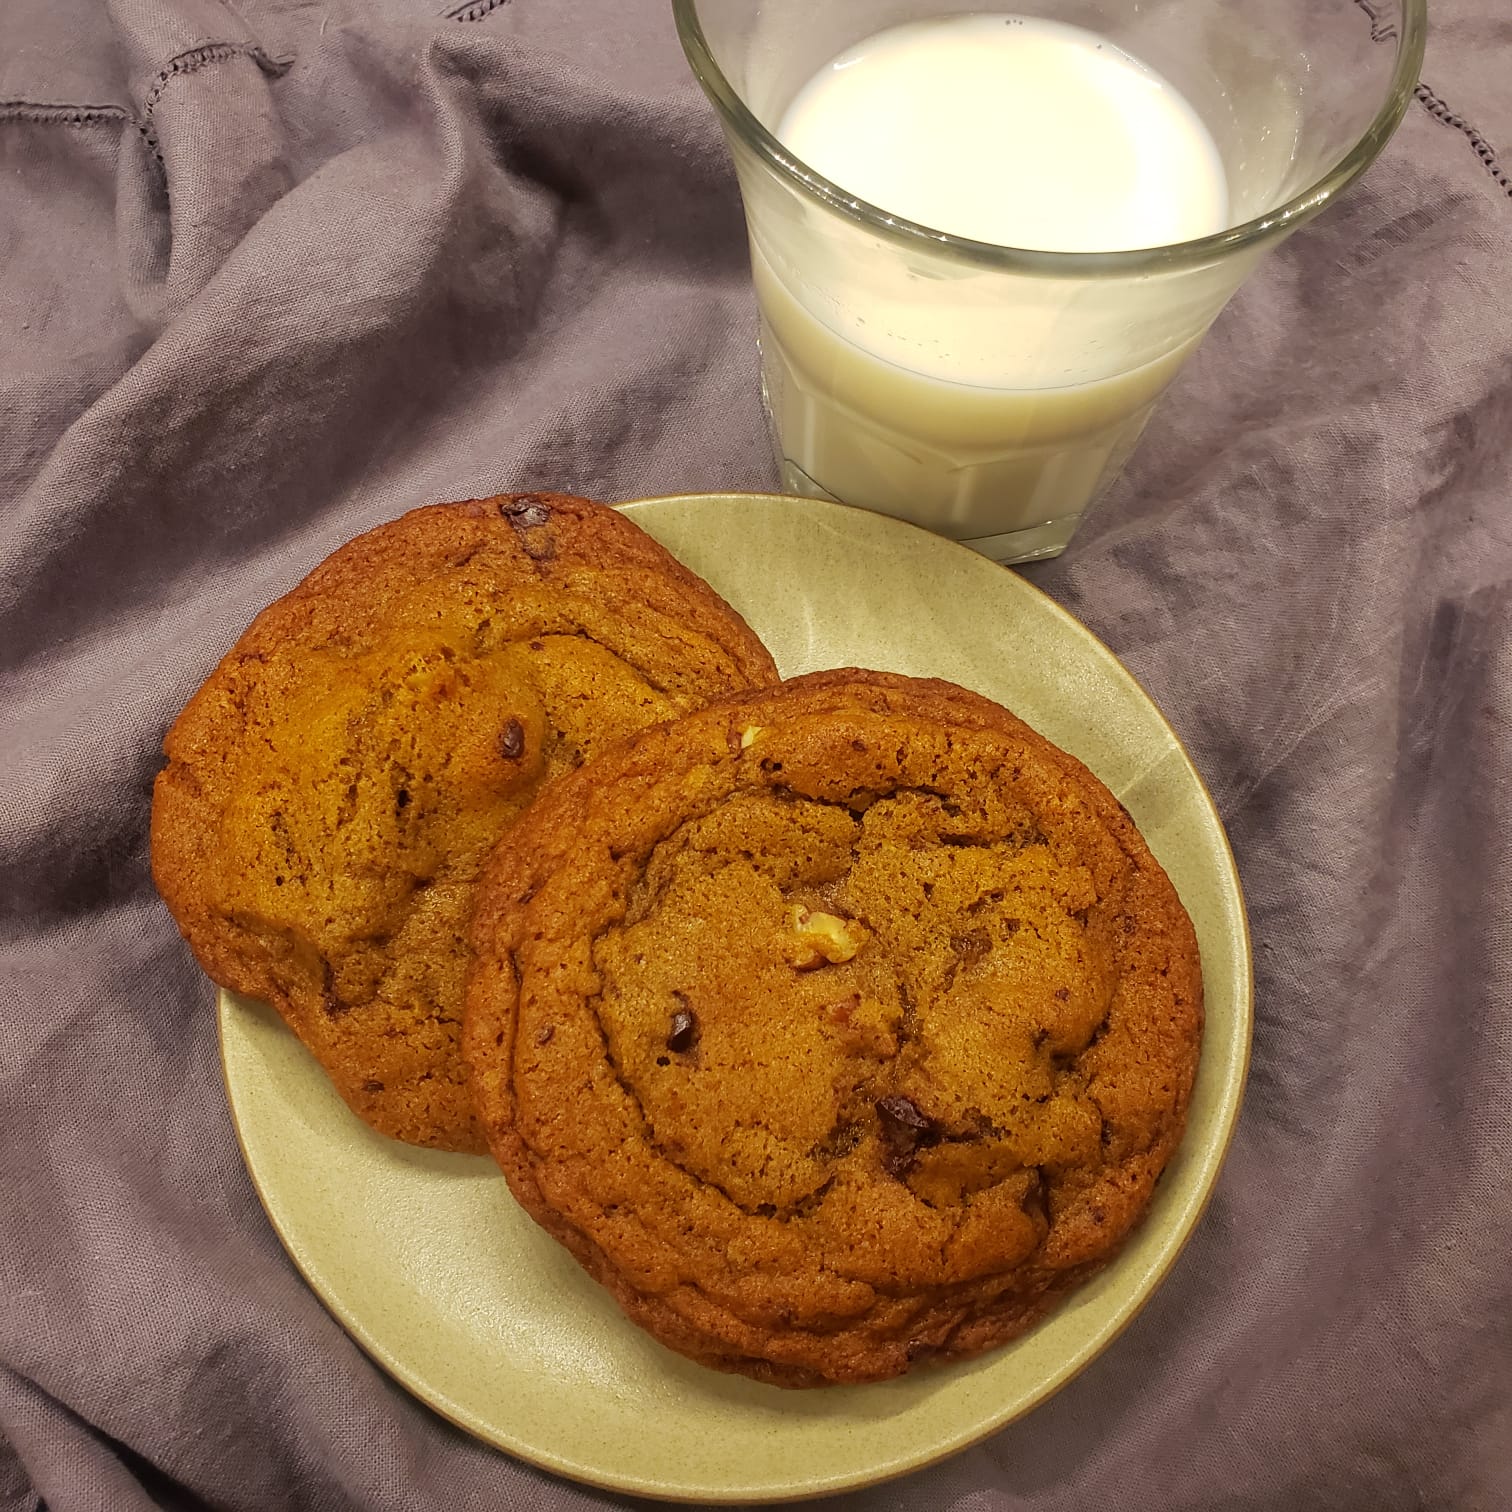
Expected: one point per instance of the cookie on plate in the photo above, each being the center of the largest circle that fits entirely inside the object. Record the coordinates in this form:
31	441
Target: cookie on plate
833	1027
332	790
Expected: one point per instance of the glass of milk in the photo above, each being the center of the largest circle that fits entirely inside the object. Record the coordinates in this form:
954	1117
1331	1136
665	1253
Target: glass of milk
984	242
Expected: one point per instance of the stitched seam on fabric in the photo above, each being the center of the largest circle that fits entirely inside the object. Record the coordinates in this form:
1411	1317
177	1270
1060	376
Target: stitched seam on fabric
475	10
185	63
1479	145
192	61
79	115
62	115
1386	32
213	52
1380	31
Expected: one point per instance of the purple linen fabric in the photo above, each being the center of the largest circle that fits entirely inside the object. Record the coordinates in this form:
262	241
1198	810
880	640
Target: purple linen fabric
273	272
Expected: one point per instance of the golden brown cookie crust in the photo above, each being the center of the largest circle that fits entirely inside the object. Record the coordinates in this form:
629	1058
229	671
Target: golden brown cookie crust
833	1027
334	787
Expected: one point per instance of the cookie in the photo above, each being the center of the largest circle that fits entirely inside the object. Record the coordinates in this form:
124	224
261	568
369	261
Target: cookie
834	1027
333	789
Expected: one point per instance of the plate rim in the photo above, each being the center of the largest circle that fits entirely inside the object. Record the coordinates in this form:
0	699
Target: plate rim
229	1007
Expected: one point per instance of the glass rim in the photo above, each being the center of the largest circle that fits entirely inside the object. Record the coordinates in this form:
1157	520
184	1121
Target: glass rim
1411	39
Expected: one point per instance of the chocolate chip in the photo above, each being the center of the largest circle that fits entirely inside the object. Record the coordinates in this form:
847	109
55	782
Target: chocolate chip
402	798
512	741
544	1033
906	1129
905	1111
684	1034
972	946
372	1086
529	514
1062	993
525	510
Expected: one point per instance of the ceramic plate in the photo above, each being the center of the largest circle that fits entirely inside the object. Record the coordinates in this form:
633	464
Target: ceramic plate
428	1264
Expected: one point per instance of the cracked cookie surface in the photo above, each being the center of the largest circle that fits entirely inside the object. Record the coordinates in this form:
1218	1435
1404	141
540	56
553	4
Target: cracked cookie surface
333	789
833	1027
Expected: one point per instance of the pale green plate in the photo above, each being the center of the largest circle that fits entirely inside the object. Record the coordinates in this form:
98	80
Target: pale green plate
429	1265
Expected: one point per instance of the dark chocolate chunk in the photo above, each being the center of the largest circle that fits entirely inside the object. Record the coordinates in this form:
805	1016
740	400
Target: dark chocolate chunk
544	1033
526	511
903	1110
971	945
684	1033
529	515
906	1129
512	741
372	1086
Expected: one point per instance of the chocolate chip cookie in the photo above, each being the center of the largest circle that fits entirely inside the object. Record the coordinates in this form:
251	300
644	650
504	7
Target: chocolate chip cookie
833	1027
332	790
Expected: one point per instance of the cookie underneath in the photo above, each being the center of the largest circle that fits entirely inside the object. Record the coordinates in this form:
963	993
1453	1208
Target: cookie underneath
332	790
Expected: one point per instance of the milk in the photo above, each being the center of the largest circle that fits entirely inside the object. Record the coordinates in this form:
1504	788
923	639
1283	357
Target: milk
986	405
1019	132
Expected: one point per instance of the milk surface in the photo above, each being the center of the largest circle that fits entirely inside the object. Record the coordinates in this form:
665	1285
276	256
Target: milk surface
1016	131
979	405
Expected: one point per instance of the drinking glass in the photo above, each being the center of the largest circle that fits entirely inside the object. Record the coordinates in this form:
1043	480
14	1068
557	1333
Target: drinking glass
1030	374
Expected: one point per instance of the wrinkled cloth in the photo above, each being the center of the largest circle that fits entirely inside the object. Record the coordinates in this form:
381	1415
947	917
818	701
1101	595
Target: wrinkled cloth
272	272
